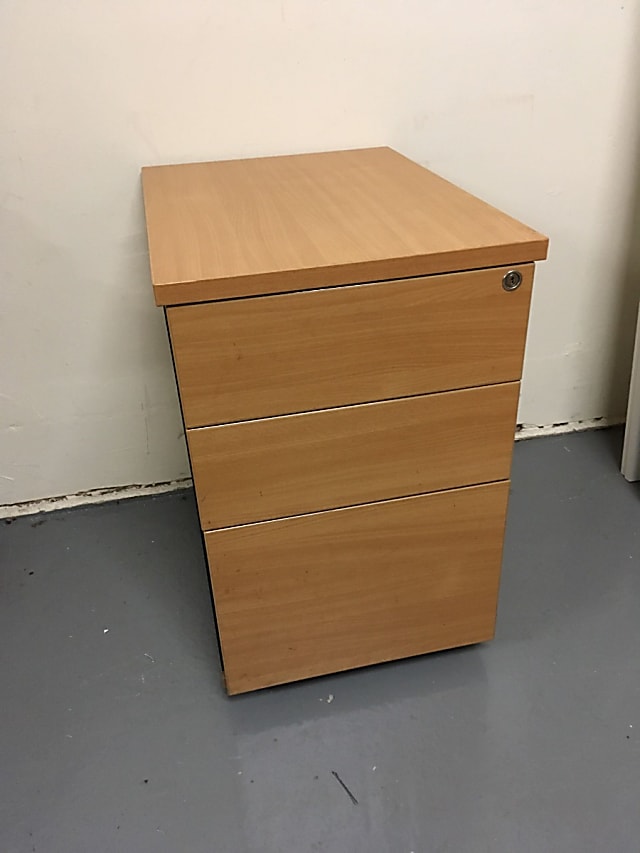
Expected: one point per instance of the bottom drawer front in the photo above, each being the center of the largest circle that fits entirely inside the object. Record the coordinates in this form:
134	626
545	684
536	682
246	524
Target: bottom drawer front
327	592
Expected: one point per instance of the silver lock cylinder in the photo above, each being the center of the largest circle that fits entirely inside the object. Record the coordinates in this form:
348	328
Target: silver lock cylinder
512	280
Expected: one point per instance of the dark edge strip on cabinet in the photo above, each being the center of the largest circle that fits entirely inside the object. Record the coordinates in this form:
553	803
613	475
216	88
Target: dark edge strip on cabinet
202	532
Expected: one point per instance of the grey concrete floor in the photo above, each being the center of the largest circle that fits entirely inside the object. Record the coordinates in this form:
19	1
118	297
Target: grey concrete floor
116	735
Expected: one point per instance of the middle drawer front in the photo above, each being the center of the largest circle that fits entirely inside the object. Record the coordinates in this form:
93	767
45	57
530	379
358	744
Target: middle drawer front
278	467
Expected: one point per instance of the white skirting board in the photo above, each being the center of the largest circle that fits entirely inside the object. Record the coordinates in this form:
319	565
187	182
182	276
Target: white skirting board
93	496
119	493
524	431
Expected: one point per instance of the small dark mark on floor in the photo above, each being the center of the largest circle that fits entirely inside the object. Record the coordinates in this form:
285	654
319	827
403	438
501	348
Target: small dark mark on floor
31	573
315	777
275	740
349	794
9	520
251	780
38	523
146	781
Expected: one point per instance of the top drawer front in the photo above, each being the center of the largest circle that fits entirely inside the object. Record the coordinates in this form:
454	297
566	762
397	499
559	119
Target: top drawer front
273	355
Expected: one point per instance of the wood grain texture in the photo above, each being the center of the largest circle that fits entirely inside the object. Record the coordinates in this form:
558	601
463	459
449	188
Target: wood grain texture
254	358
275	224
327	592
297	464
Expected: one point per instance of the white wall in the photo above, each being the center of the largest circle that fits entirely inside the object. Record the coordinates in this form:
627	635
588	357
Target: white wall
530	104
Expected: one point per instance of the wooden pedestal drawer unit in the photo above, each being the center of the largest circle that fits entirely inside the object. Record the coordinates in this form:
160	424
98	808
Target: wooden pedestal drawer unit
348	332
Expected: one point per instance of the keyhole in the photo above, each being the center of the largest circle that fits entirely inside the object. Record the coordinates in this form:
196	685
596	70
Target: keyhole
512	280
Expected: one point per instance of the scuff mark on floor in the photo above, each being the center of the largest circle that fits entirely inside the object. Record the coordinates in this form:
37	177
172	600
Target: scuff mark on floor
348	792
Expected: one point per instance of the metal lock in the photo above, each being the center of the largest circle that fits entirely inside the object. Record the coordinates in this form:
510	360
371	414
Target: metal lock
512	280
